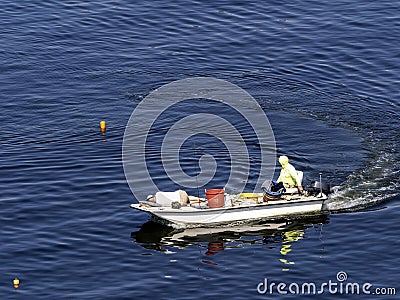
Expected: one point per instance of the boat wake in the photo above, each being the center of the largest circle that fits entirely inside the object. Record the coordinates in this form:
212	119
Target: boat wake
375	120
376	183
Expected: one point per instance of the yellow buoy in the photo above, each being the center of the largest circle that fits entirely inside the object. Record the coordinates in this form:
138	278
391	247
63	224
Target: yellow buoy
16	283
103	126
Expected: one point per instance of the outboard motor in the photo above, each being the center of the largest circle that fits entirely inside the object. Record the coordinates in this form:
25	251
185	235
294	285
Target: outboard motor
315	188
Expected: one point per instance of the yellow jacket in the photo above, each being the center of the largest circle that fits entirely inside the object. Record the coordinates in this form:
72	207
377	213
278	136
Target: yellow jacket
289	176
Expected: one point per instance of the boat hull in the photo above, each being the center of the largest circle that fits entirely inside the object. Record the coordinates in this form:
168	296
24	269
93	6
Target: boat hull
191	216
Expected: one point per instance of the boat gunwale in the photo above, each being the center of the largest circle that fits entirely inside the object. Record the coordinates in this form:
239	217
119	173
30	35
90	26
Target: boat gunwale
195	210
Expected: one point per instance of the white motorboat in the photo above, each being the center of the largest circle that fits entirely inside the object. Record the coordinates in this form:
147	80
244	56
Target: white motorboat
236	208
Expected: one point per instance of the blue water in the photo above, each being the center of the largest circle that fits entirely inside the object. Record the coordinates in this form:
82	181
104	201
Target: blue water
326	75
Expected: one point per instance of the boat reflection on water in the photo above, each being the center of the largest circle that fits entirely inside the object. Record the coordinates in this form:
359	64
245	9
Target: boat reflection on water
289	237
213	240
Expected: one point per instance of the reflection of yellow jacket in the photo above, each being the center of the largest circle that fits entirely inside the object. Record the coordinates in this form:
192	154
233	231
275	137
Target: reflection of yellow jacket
289	176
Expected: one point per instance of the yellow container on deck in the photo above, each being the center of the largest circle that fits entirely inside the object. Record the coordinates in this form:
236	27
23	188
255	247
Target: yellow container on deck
258	197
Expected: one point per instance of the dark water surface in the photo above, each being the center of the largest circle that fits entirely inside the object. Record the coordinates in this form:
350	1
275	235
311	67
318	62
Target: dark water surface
325	73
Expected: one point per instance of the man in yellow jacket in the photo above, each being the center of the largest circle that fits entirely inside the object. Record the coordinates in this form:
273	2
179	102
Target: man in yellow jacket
289	176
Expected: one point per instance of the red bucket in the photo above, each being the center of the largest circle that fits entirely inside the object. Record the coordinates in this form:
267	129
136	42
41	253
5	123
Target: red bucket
215	197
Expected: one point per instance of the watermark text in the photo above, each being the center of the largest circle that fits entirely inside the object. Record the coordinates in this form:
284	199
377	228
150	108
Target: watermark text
339	286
